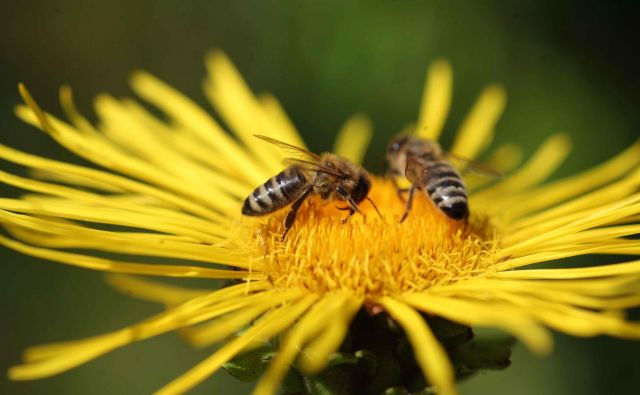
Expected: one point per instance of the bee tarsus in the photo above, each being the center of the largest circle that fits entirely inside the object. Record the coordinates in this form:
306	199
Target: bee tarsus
409	202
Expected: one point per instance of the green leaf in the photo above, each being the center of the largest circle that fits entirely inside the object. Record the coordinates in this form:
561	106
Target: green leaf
345	374
396	391
488	351
250	366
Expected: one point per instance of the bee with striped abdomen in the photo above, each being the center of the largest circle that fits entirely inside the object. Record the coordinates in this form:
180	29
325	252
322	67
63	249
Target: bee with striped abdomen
327	175
428	167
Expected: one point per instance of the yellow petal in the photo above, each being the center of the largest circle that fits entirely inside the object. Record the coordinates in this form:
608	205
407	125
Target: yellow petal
116	266
476	131
505	317
190	115
542	164
246	311
280	120
616	269
315	356
90	349
353	139
152	290
436	99
429	353
309	325
268	326
37	162
567	188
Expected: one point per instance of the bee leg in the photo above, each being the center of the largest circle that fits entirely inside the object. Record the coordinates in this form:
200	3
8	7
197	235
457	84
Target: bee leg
353	206
291	216
412	191
351	211
354	209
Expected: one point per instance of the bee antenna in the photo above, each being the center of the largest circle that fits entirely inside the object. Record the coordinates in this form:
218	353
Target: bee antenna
374	206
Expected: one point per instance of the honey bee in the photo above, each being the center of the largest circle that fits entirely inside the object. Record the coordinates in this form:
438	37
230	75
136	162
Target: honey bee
428	167
327	175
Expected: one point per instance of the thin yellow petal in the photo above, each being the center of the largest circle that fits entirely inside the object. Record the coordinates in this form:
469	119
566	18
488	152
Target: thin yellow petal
315	356
540	290
610	293
436	100
223	327
90	350
124	127
599	286
632	267
267	327
106	215
52	233
152	290
192	311
601	216
476	131
68	106
126	184
189	114
97	148
180	139
309	325
503	159
541	165
429	353
567	188
577	207
280	120
116	266
599	234
547	256
74	180
171	295
495	315
572	320
353	139
50	359
240	109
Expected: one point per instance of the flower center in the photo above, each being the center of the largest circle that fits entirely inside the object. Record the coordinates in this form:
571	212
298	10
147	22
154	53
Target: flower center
371	256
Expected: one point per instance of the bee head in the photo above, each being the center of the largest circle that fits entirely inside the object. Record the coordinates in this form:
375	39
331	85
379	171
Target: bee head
396	145
362	188
395	156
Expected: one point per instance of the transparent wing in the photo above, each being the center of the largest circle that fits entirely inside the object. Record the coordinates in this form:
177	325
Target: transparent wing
312	166
288	147
472	166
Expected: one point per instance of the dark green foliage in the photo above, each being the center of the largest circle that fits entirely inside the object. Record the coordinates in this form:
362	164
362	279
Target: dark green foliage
376	358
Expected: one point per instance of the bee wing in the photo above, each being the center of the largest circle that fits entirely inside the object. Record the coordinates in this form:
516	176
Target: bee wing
288	147
473	166
413	166
312	166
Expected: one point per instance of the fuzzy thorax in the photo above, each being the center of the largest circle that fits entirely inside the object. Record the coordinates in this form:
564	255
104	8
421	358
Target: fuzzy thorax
372	256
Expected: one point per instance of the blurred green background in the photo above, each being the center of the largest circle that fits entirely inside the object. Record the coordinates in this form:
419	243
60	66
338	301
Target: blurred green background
566	68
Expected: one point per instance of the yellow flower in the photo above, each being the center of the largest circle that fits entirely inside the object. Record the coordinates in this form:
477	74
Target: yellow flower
171	188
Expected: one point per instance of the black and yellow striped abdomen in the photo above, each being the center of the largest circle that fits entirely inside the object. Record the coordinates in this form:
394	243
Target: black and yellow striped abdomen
445	188
276	193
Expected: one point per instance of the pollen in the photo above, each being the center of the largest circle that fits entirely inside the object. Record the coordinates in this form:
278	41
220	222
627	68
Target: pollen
370	255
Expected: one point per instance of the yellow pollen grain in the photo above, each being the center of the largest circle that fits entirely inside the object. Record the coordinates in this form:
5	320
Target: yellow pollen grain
371	257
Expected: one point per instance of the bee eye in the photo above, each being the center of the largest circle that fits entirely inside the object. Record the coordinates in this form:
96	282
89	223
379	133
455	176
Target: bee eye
362	188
